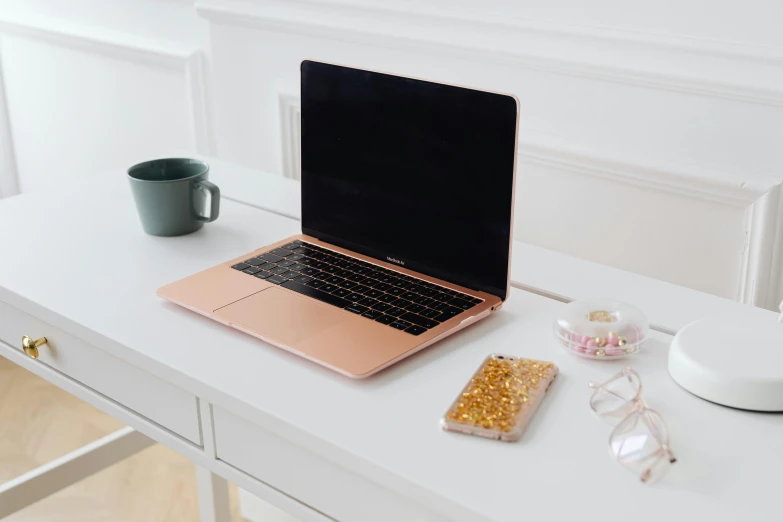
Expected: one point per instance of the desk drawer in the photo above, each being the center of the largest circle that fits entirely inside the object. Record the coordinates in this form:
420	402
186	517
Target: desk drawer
127	385
310	478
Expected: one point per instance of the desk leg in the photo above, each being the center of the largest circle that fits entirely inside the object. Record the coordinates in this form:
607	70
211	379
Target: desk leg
73	467
213	503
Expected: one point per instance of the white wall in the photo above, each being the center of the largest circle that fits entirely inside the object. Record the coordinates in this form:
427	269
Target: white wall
84	91
647	133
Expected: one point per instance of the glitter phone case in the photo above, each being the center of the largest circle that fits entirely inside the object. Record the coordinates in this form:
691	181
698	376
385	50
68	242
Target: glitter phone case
501	397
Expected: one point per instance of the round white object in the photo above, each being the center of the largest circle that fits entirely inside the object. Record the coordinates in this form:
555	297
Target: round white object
732	360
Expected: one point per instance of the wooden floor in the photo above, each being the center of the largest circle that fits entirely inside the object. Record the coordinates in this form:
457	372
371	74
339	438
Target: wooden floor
39	422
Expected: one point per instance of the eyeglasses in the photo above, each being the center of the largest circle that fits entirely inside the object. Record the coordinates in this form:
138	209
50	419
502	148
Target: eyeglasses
641	440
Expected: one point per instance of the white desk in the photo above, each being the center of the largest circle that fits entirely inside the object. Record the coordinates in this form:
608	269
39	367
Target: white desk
77	268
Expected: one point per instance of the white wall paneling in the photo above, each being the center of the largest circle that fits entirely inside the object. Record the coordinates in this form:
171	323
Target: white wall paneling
290	132
9	182
762	277
639	150
84	98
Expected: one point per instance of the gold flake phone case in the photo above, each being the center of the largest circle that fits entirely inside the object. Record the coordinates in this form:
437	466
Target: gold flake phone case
500	398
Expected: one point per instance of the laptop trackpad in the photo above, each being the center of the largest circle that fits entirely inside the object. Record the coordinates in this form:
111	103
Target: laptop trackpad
280	316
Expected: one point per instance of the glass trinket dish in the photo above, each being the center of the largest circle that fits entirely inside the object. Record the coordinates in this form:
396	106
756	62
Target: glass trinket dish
601	328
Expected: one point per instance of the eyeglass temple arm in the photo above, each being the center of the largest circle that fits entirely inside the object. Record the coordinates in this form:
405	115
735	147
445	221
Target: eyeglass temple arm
666	453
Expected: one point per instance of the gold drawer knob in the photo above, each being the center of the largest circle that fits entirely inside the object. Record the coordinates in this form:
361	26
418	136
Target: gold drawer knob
31	347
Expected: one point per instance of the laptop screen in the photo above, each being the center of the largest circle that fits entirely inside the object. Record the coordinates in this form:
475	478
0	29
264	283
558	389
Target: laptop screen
408	171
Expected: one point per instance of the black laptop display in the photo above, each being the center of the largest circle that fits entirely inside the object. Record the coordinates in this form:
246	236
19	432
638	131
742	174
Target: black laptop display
412	172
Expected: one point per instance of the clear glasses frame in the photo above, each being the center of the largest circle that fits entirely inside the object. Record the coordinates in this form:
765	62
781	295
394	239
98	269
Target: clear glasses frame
640	441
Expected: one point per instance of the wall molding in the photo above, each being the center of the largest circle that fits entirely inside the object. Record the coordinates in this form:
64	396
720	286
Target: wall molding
187	60
543	46
290	134
548	152
9	180
761	276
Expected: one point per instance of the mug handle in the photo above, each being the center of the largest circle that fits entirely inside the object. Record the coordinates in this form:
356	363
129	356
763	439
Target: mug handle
214	192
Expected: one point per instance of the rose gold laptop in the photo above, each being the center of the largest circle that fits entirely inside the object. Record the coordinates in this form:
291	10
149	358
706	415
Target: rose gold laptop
407	207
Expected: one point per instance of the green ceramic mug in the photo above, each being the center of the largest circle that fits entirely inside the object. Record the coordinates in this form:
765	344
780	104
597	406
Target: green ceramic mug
171	195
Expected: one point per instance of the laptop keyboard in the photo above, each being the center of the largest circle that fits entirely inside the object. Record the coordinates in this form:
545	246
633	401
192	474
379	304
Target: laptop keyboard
376	293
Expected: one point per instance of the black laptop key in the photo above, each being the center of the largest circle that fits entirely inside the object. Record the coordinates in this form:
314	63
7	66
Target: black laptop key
368	281
415	308
447	314
276	279
426	301
357	309
295	257
415	330
383	287
285	263
386	319
395	311
307	261
430	313
320	265
410	296
360	289
439	306
387	298
341	292
315	283
322	275
255	261
343	273
334	280
282	252
348	285
297	267
395	291
301	251
375	294
461	303
308	271
328	288
279	270
252	270
356	277
240	266
440	296
303	279
372	314
368	301
272	258
402	303
354	297
381	307
263	274
419	320
316	294
291	246
399	283
428	292
400	325
290	275
415	288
